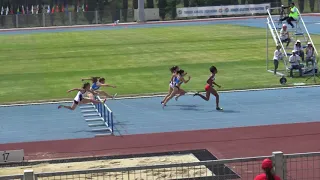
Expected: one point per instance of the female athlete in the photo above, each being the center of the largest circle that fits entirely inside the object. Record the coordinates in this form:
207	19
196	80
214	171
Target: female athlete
98	82
173	71
178	78
79	99
209	88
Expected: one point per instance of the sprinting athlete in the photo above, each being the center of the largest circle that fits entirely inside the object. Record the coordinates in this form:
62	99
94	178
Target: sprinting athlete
173	71
181	92
98	82
176	82
209	88
79	99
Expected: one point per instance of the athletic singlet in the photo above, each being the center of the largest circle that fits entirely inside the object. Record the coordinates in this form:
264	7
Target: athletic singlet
176	80
212	78
79	96
95	86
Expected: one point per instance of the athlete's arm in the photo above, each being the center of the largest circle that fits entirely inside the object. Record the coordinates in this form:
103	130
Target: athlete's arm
216	84
89	78
107	85
94	93
75	89
86	79
185	81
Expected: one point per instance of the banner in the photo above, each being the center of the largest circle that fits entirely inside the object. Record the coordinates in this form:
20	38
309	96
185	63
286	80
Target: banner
223	10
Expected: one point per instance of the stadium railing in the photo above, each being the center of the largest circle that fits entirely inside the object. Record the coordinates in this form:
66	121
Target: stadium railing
106	114
303	166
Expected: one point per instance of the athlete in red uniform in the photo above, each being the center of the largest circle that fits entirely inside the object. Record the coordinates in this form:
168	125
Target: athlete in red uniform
209	88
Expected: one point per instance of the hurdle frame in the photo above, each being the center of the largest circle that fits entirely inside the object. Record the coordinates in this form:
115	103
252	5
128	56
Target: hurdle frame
106	114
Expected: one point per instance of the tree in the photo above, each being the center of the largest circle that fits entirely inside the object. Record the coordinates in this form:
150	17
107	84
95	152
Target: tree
150	4
186	3
162	4
173	8
92	5
135	4
312	4
125	10
301	5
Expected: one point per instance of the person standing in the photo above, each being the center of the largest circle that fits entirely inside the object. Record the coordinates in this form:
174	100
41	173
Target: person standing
268	174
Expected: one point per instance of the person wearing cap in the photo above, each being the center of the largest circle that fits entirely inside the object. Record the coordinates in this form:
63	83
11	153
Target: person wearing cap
310	54
299	49
293	15
294	60
284	35
268	173
276	57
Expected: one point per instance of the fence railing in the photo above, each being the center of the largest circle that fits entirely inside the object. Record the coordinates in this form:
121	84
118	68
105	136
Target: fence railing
304	166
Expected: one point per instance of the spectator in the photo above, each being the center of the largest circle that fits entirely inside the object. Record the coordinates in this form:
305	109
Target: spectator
268	174
293	15
277	56
294	60
299	49
284	35
310	54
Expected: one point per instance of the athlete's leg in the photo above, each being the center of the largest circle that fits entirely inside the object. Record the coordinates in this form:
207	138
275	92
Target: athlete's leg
91	96
215	93
86	101
181	92
206	98
103	93
72	107
169	92
173	93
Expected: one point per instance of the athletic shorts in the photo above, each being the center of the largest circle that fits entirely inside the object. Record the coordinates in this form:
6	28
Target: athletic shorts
80	99
207	87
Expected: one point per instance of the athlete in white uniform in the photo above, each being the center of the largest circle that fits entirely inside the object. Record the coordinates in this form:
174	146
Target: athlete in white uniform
79	99
173	71
177	82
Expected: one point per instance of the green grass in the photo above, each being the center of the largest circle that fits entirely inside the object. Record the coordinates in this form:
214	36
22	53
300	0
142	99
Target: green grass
44	66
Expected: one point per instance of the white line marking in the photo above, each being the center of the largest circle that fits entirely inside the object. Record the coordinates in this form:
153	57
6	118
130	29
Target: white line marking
164	94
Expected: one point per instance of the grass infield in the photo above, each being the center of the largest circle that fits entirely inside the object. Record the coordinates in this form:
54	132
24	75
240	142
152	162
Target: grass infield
44	66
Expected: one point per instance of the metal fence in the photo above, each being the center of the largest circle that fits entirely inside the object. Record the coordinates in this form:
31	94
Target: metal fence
64	19
111	14
305	166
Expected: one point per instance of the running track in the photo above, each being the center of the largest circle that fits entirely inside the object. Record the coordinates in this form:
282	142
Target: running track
253	123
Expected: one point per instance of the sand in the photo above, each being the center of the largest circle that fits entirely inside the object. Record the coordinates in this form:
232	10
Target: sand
168	173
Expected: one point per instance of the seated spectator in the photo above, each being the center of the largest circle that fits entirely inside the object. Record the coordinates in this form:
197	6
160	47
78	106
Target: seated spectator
277	56
268	174
293	15
294	60
299	49
284	35
310	54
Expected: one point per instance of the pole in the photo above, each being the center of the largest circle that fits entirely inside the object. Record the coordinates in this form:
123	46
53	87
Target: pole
141	17
267	63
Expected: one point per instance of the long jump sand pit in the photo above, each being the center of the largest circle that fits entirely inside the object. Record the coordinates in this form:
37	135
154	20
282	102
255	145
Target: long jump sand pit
167	173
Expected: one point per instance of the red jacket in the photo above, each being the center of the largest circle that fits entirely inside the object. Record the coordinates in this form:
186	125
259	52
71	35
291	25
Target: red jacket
264	177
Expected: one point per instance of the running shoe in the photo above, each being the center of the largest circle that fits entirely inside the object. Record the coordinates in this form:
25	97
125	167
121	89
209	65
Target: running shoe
219	109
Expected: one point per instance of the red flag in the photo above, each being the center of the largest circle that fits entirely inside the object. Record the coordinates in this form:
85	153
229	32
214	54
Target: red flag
62	8
52	10
86	7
